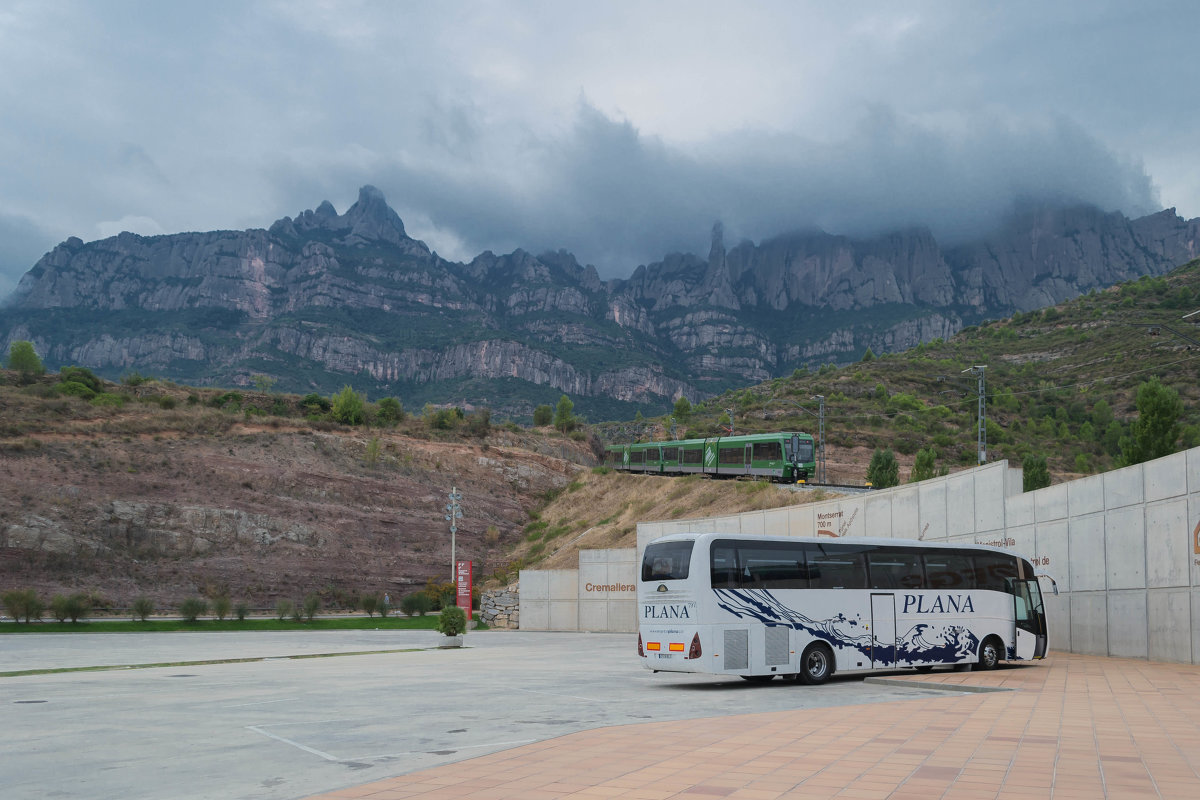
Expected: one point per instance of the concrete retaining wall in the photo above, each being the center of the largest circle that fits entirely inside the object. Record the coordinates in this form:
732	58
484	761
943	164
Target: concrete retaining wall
1123	546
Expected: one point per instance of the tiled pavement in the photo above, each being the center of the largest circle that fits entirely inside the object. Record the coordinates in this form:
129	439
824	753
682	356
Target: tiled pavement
1072	728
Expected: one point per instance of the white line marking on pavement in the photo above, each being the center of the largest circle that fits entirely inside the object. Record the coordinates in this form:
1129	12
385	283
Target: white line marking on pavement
297	745
260	703
513	743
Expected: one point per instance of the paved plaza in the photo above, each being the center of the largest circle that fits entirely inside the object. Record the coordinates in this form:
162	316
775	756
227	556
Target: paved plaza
1071	728
290	723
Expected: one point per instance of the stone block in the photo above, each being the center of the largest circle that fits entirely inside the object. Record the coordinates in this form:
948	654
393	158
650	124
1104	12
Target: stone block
1168	544
1127	633
1125	547
1087	567
1165	477
1123	487
1170	625
1089	623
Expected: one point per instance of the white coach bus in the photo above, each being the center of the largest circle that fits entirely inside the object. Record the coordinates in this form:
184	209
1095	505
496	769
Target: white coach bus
761	606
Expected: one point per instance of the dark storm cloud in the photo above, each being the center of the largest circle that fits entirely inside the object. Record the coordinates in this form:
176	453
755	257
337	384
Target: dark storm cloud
620	131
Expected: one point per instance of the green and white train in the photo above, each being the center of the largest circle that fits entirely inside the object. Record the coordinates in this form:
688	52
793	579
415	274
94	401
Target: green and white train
783	457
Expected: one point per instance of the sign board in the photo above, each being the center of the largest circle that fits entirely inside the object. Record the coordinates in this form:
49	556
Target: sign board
462	580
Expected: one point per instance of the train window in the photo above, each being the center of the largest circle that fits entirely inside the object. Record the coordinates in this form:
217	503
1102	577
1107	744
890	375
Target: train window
804	450
731	455
949	571
637	456
895	568
670	453
767	451
693	455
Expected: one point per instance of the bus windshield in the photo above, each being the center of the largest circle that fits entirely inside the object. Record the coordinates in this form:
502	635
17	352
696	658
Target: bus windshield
667	561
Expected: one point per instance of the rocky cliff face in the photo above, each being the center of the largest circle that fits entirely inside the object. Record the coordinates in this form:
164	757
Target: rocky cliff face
323	299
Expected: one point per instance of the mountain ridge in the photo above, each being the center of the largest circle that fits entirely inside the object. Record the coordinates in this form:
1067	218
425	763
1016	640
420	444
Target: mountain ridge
325	299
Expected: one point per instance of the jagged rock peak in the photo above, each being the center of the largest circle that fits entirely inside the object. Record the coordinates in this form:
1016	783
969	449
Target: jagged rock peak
370	219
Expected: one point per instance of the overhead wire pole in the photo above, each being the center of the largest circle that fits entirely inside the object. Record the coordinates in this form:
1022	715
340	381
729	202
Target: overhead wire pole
979	370
453	515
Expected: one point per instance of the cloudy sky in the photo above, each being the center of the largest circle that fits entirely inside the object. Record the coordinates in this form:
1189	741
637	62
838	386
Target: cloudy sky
617	130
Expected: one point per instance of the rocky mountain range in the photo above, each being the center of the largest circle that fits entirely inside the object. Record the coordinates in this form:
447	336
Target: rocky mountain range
327	299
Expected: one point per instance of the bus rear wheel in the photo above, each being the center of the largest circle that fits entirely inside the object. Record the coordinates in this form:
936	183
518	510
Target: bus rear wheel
989	653
816	664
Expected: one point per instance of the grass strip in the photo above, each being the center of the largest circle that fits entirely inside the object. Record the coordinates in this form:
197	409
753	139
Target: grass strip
429	622
110	667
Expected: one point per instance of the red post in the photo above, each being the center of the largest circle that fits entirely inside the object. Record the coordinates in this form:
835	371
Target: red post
462	574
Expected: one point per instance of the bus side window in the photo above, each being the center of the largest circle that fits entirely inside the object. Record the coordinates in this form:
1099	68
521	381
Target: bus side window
991	570
895	568
949	571
724	567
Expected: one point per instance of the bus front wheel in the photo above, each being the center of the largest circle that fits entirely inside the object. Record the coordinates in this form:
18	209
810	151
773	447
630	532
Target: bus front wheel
816	664
989	653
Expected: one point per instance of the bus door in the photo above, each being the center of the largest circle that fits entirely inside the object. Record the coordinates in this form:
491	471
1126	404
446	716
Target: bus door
883	631
1029	615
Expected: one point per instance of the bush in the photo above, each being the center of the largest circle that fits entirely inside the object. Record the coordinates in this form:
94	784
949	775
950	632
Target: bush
284	609
142	608
417	604
389	411
241	610
23	359
542	415
883	470
348	407
315	404
1035	473
81	375
452	621
371	603
23	604
73	607
312	604
74	389
191	608
221	607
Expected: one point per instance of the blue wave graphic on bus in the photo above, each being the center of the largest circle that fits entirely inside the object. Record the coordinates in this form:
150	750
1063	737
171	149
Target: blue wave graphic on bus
921	644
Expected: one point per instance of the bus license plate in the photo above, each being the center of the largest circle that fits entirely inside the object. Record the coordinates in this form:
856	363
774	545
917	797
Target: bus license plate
666	655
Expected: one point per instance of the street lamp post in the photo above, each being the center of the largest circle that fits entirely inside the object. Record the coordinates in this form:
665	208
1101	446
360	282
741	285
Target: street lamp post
453	515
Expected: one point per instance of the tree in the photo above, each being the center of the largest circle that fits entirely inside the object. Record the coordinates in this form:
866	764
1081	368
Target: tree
348	407
1153	434
22	358
883	470
564	418
868	355
264	383
542	415
1036	475
390	412
924	466
683	409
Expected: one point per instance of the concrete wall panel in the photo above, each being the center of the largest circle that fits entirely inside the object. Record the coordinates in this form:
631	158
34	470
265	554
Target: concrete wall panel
1193	469
1123	487
1193	522
753	522
1058	618
1127	629
535	584
1089	623
622	617
906	513
1168	544
1170	622
878	511
535	614
564	584
989	500
1125	547
800	521
1019	510
960	503
1022	541
934	525
593	615
775	522
1051	548
1165	477
1085	496
1196	626
1051	503
1087	567
564	615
